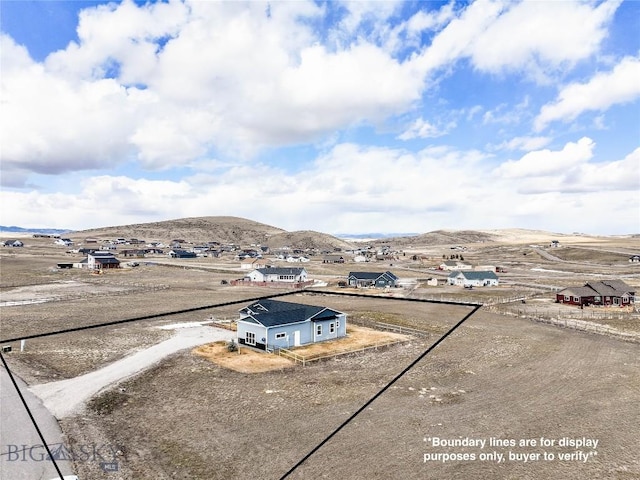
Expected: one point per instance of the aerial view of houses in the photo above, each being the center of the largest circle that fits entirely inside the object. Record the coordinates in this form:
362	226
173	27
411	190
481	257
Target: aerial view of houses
270	324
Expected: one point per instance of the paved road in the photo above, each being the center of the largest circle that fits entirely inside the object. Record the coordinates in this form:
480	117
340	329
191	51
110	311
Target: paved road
22	456
66	397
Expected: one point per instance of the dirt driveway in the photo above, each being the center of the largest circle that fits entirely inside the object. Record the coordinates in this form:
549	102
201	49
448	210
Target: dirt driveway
67	397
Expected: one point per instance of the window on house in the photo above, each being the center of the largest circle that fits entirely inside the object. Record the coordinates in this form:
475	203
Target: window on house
576	299
332	328
616	301
280	335
319	330
250	338
567	298
337	323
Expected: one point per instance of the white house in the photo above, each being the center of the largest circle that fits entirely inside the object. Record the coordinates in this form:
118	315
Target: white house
250	263
101	260
295	259
13	243
278	274
473	279
455	265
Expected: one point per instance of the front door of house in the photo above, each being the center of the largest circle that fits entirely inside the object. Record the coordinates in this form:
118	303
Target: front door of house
296	338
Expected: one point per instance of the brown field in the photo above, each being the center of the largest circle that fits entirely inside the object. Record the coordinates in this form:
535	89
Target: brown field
497	376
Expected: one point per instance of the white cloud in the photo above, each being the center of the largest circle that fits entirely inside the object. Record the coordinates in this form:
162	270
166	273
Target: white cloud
571	170
355	188
167	82
620	85
541	36
423	129
525	143
455	40
48	125
548	162
540	39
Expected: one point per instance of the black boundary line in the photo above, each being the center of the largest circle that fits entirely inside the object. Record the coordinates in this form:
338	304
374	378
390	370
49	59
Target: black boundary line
33	420
372	399
235	302
146	317
399	299
226	304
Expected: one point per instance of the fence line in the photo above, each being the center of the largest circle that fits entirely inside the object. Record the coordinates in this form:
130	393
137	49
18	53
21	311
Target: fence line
575	324
314	358
390	327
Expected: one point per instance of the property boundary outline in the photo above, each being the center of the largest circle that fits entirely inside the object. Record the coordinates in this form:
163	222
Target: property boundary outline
475	307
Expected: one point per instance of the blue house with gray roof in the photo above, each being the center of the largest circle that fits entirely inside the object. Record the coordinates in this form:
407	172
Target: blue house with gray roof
269	324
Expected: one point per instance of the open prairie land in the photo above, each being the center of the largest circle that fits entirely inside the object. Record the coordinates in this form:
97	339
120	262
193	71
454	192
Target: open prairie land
500	375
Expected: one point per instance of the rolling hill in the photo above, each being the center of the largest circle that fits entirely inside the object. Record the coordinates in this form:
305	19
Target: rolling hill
239	231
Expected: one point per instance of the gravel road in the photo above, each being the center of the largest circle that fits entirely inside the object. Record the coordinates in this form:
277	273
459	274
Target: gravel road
66	397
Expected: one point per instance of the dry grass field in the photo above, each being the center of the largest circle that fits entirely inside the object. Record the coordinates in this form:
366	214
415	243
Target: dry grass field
497	376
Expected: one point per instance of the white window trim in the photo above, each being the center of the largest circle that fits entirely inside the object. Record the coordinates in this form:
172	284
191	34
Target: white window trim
281	335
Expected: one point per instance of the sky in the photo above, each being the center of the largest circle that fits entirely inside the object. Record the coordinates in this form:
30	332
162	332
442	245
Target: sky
340	116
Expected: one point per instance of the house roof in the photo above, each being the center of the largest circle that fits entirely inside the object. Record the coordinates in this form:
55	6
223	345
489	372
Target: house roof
372	275
604	288
578	292
476	275
272	313
107	260
281	271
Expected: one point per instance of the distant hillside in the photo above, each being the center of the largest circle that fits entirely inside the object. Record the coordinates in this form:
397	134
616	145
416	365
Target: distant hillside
505	235
442	237
239	231
235	230
308	239
46	231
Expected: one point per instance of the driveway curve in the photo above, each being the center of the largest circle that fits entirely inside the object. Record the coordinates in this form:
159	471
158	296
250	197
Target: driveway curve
67	397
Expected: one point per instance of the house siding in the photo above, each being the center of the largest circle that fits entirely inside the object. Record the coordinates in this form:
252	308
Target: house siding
304	331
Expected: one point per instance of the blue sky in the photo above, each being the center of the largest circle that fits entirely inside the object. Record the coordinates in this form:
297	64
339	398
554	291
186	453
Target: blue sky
332	116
